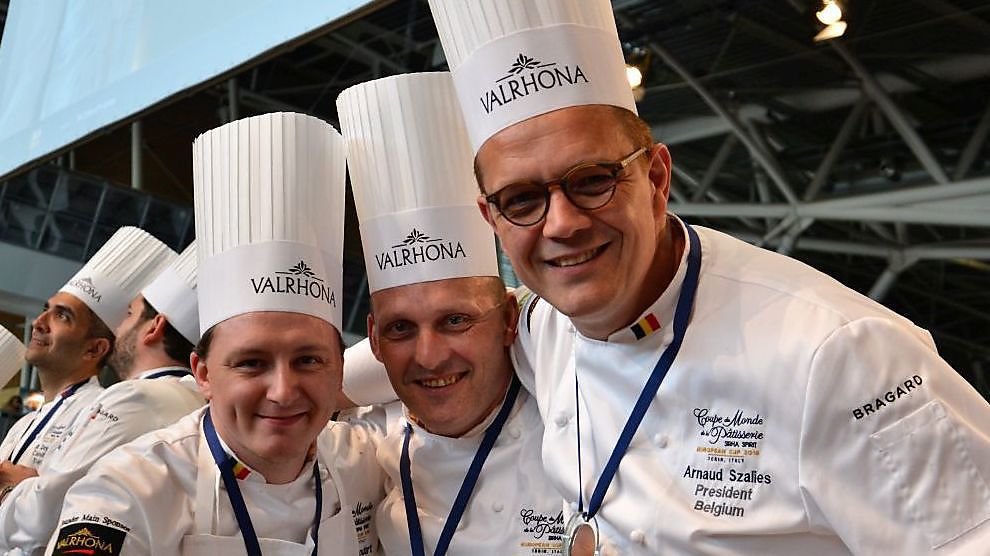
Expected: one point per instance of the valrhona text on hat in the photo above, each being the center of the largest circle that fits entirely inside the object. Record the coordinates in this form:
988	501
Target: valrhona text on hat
297	280
417	248
527	75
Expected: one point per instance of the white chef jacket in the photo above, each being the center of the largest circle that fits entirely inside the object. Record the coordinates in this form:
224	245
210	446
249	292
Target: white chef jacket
121	413
798	418
162	494
513	510
38	455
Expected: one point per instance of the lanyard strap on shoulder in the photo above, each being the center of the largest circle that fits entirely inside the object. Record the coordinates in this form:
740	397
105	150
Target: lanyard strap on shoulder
682	313
66	394
225	464
467	486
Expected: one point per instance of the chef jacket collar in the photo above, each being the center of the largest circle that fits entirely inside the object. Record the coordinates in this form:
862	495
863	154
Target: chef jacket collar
660	315
245	473
150	372
478	429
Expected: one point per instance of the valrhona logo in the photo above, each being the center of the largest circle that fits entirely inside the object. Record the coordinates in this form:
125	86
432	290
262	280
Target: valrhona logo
86	286
417	248
90	539
528	75
297	280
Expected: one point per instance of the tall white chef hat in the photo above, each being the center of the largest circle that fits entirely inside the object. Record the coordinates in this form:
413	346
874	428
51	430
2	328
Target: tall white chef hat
413	183
11	355
173	294
512	60
269	196
127	262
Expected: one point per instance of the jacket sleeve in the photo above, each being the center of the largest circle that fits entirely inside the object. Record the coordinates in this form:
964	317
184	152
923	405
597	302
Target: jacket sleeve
28	514
104	505
895	445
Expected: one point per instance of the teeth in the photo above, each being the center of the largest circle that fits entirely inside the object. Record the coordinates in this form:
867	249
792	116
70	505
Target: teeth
440	382
576	259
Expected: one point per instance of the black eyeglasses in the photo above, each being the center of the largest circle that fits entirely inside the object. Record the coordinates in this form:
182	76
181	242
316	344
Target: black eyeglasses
588	186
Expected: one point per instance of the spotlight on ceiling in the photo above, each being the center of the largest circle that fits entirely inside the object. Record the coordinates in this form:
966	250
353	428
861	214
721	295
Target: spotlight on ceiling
830	12
831	16
832	31
637	66
634	75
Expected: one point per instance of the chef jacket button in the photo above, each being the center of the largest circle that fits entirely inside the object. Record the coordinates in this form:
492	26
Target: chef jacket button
561	420
515	433
637	537
498	506
660	440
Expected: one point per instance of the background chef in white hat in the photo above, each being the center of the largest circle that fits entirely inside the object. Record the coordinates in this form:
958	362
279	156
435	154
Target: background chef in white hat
151	357
258	470
70	341
463	458
11	357
797	416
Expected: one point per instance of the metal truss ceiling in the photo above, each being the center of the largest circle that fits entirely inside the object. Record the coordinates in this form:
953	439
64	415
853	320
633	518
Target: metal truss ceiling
866	157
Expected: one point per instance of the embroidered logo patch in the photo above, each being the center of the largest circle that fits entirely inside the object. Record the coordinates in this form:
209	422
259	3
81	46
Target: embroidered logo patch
542	533
89	539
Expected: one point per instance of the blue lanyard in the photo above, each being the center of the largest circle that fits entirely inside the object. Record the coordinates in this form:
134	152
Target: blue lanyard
66	394
225	464
169	372
685	302
467	487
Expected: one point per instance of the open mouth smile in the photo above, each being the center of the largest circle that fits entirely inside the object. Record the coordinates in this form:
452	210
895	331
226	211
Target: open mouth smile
576	259
441	382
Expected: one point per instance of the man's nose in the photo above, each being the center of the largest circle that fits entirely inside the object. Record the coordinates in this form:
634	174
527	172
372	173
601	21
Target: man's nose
432	349
284	387
563	218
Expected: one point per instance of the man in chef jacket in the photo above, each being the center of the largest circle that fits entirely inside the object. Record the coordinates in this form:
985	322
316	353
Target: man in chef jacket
258	470
441	323
151	356
11	358
71	339
797	416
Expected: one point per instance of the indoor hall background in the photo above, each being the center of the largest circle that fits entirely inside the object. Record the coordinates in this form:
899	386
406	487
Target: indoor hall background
865	156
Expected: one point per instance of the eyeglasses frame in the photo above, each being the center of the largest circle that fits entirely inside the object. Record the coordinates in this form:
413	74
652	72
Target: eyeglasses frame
615	168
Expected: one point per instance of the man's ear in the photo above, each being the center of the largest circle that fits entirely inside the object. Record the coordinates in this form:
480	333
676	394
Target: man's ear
660	170
486	213
373	338
97	348
156	330
511	314
201	373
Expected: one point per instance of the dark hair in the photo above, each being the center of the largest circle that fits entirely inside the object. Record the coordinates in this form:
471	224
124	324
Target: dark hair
177	347
631	125
203	347
98	329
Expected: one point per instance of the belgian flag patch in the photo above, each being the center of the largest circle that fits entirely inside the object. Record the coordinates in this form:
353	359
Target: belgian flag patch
89	539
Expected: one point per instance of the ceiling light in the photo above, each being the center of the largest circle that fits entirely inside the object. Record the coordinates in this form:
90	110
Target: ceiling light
834	30
830	13
634	75
34	400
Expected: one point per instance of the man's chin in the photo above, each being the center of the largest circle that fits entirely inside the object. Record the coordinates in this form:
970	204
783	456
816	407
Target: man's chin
35	358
